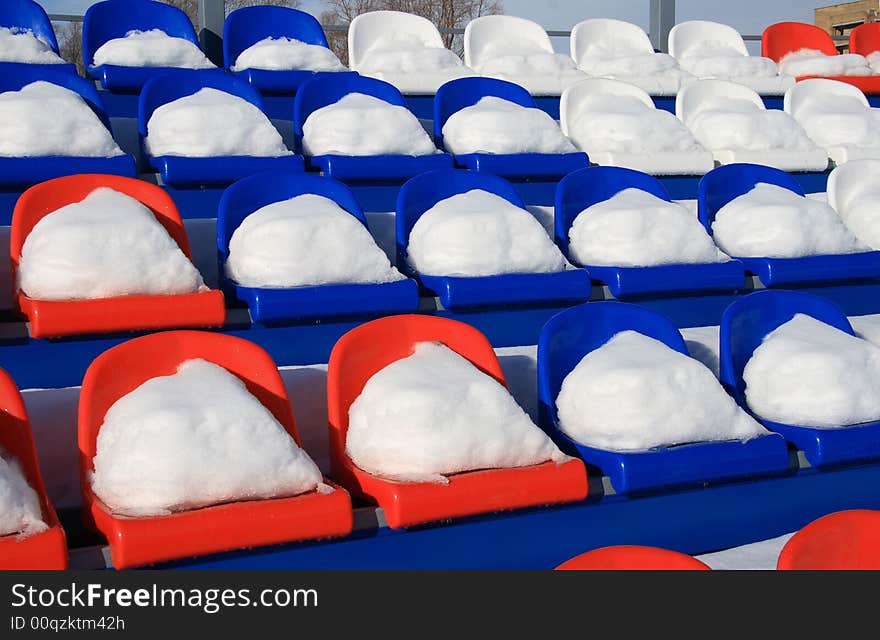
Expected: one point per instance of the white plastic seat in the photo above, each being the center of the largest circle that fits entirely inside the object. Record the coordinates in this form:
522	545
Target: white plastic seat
396	31
605	39
849	182
703	95
572	107
687	39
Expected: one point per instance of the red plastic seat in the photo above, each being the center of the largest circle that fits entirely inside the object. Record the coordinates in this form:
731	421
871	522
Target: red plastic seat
140	541
48	549
865	39
842	540
365	350
632	558
784	37
122	313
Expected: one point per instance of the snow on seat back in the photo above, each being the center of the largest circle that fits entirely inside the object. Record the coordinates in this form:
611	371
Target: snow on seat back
28	17
854	192
608	48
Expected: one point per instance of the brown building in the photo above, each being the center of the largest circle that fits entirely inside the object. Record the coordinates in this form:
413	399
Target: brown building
840	19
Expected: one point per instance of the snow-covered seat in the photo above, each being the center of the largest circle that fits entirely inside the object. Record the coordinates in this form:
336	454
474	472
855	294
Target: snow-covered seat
402	49
29	17
569	336
51	318
582	189
851	181
184	171
268	305
841	541
729	104
249	25
459	94
744	325
632	558
714	50
324	90
723	184
519	51
836	115
605	99
47	549
608	48
865	40
369	348
234	525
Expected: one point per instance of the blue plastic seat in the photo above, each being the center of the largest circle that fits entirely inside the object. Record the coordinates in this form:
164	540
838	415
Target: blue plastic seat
275	305
245	27
457	94
27	15
180	171
723	184
587	187
569	336
462	292
744	325
24	172
111	19
328	88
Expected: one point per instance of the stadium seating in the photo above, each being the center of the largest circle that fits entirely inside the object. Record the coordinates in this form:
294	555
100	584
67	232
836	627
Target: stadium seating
845	540
632	558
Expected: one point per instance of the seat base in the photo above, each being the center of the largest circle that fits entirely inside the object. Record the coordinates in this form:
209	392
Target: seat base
781	272
626	282
524	165
378	168
179	171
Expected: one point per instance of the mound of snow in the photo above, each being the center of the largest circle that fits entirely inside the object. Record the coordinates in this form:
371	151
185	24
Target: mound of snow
495	125
626	124
153	48
835	120
635	228
537	70
17	45
106	245
20	511
277	54
812	62
719	60
212	123
406	53
862	216
728	123
478	233
635	393
193	439
306	240
43	119
433	414
808	373
363	125
773	222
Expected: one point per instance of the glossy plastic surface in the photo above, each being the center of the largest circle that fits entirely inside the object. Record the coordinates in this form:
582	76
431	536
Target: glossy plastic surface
845	540
632	558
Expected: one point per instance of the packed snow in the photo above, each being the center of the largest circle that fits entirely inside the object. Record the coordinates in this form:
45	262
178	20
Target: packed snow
526	64
153	48
212	123
478	233
495	125
812	62
18	45
281	54
635	228
836	120
306	240
44	119
363	125
434	414
106	245
635	393
192	439
771	221
808	373
720	60
20	511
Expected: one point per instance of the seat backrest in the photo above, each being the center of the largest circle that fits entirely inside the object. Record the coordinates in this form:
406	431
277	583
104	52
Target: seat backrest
111	19
782	38
687	36
607	32
696	96
571	102
632	558
747	320
848	181
328	88
845	540
723	184
802	93
246	26
457	94
485	36
170	87
585	187
29	16
865	39
368	29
